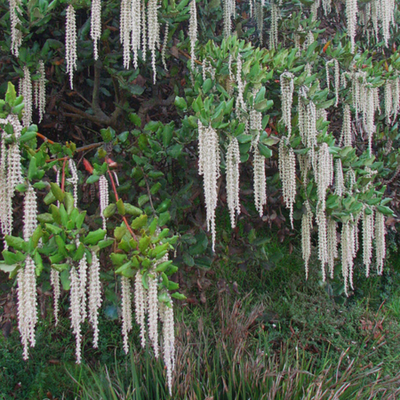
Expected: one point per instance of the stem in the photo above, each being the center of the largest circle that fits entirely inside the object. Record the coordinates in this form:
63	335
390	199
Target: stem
44	138
116	199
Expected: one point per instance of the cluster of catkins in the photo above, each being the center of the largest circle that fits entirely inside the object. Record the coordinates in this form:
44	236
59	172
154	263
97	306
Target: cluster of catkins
85	285
327	175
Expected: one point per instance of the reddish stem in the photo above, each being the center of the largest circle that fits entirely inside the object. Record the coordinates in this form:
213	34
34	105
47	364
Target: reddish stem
116	199
44	138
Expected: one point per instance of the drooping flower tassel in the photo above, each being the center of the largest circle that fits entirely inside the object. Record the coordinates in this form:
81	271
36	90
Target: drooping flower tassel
287	172
209	160
260	185
167	317
332	245
126	298
233	179
125	28
104	198
136	30
55	282
153	33
287	87
193	32
306	227
75	310
40	91
380	232
140	307
153	312
16	34
70	44
26	92
367	236
95	26
74	180
95	299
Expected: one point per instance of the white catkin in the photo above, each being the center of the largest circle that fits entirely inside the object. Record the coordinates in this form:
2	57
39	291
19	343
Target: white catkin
153	33
232	180
95	26
164	47
40	91
346	255
140	307
125	28
167	317
55	282
73	180
287	172
82	272
388	100
126	299
104	198
153	311
339	179
135	30
255	127
273	33
240	85
13	176
306	229
351	15
26	92
380	242
227	12
16	34
75	310
260	186
70	43
287	88
332	245
346	136
193	33
95	300
209	161
367	236
144	31
3	182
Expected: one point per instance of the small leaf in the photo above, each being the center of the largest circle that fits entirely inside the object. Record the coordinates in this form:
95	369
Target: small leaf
139	222
94	237
16	242
120	207
178	296
110	210
57	192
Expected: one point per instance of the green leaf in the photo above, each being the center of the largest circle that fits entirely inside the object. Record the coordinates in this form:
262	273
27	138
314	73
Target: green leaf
178	296
40	185
163	266
180	103
135	119
13	258
126	270
92	179
45	217
144	243
384	210
37	234
11	94
143	200
26	137
120	207
38	263
207	85
80	219
57	192
16	243
118	259
264	150
110	210
32	169
8	268
105	243
132	210
119	232
139	222
50	198
164	218
69	203
64	277
79	252
94	237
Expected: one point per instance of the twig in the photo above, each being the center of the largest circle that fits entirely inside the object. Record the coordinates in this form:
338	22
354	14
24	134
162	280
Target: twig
116	199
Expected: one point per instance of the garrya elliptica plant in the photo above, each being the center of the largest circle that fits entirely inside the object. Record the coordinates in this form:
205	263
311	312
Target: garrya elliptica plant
59	244
337	185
